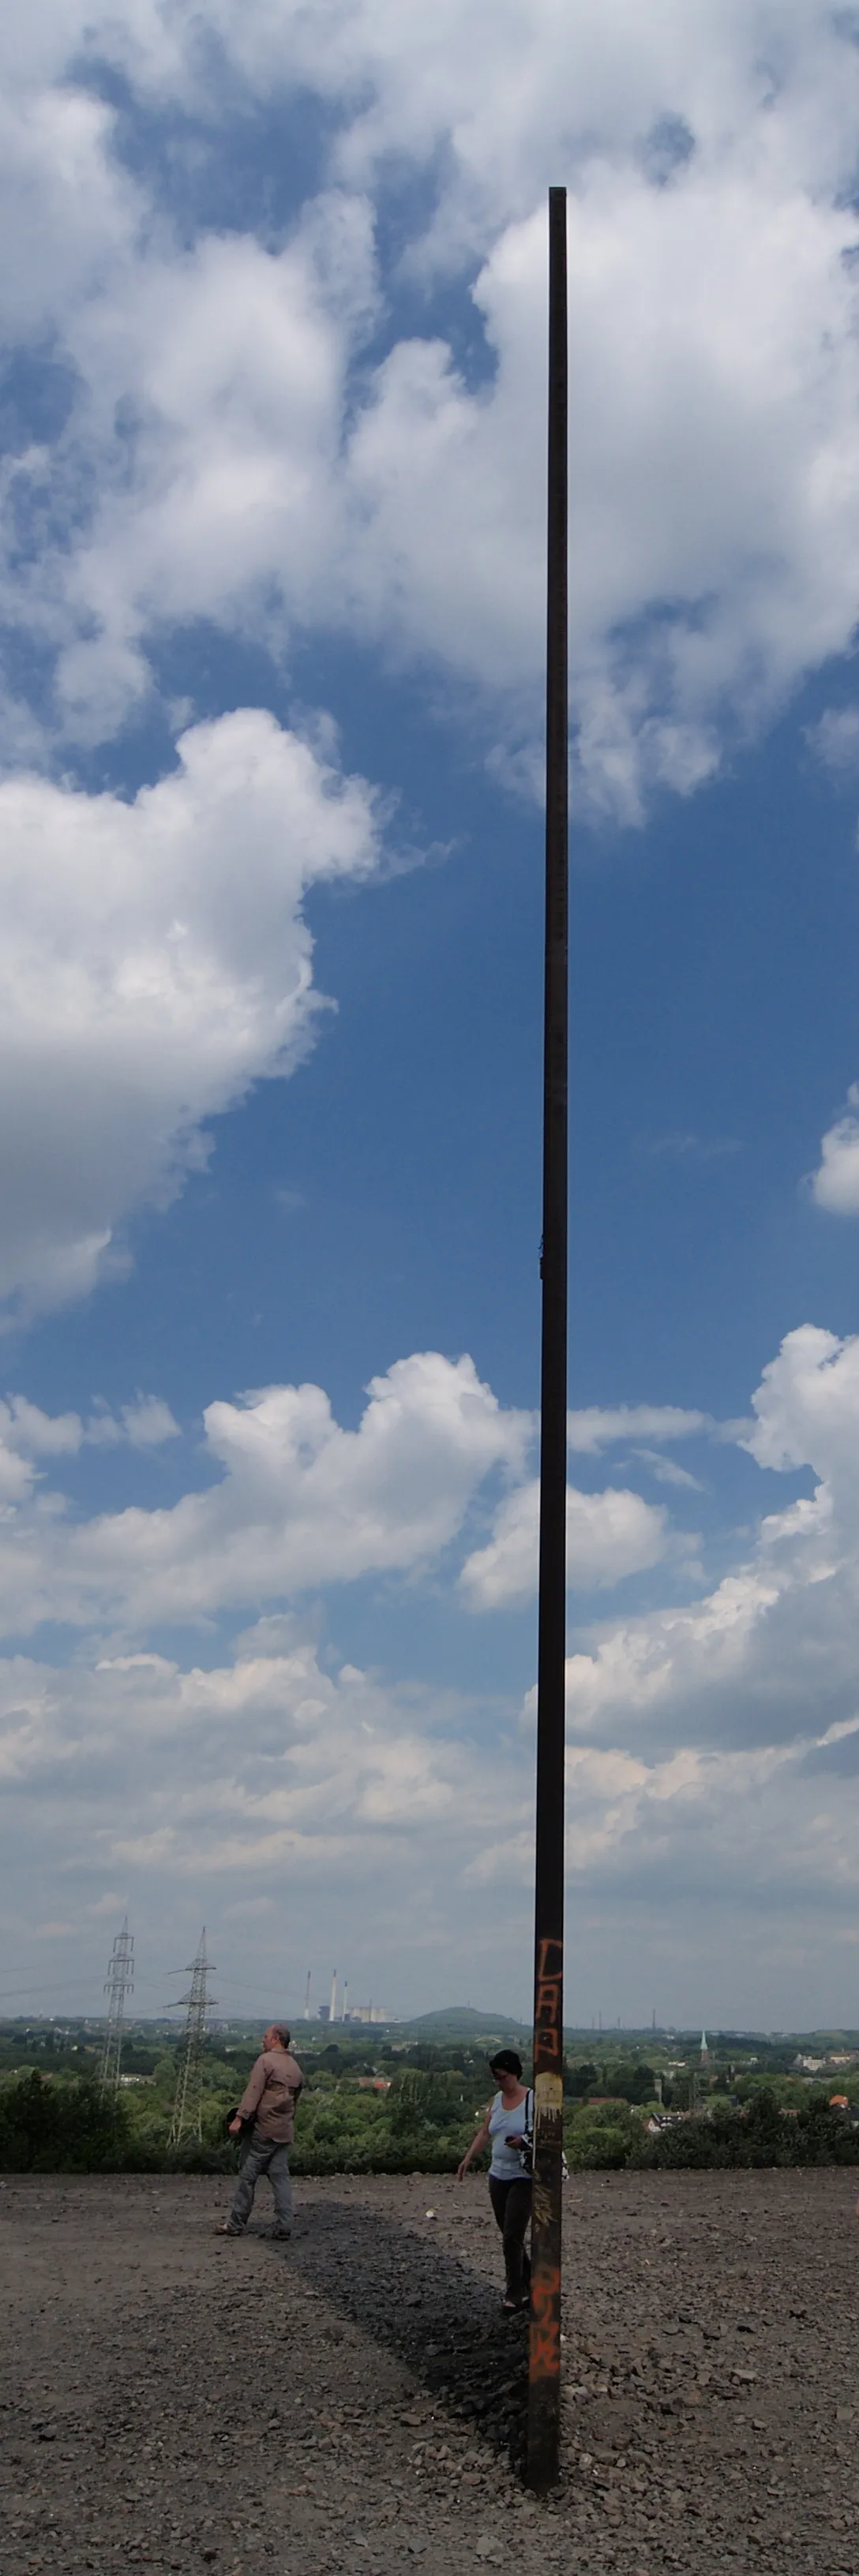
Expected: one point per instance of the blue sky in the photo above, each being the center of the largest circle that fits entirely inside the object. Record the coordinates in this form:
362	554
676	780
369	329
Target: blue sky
272	414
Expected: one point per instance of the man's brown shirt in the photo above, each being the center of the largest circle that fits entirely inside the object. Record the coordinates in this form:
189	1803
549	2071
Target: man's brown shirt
271	2091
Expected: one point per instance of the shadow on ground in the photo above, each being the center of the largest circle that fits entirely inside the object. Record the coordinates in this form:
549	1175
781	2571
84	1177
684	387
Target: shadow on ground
444	2322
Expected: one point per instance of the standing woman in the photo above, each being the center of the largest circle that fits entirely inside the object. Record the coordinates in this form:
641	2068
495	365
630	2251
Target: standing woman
504	2129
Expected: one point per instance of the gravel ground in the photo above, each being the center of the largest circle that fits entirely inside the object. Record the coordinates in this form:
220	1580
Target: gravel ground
353	2400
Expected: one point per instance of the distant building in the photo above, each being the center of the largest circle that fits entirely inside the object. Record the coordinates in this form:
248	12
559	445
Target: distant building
705	2053
673	2119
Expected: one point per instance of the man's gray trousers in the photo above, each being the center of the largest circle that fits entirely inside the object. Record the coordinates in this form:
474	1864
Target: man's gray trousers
260	2156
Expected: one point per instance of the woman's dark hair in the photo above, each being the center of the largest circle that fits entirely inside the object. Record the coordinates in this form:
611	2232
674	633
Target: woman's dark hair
506	2063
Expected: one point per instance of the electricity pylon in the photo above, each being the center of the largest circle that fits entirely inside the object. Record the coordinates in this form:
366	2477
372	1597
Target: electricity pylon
119	1982
187	2118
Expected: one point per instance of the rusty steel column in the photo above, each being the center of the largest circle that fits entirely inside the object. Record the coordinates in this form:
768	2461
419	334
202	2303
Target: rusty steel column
544	2382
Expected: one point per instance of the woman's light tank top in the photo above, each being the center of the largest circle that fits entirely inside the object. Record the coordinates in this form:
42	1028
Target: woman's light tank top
507	2165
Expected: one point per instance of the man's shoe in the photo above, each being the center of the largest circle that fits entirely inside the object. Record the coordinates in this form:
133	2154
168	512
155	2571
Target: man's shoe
226	2230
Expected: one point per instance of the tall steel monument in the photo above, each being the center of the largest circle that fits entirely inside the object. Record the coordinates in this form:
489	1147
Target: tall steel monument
544	2385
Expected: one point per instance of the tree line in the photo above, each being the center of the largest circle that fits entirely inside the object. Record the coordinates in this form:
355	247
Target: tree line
421	2123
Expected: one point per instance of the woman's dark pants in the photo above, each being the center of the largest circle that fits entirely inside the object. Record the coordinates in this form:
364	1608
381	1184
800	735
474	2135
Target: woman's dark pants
511	2202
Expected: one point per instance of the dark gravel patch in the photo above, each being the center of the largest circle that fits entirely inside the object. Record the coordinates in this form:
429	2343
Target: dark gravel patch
353	2401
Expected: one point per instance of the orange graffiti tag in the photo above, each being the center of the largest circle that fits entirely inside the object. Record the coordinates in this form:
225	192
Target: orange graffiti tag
544	1968
545	2340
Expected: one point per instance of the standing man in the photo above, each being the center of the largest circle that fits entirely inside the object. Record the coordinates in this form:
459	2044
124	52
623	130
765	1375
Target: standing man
264	2121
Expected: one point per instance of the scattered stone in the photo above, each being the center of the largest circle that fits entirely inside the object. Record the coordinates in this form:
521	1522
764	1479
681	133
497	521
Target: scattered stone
159	2435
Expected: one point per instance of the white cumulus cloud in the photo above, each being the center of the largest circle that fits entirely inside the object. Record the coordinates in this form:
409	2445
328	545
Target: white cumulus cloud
769	1656
299	1503
609	1535
835	1184
155	963
594	1427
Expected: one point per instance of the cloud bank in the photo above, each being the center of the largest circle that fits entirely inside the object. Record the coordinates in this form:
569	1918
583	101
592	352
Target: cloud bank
268	425
238	430
297	1503
292	421
714	1747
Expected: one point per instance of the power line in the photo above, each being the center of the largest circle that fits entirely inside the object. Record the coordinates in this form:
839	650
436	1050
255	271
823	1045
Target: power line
236	1986
11	1993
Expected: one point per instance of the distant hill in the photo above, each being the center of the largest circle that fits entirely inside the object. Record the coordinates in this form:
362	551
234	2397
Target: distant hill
460	2021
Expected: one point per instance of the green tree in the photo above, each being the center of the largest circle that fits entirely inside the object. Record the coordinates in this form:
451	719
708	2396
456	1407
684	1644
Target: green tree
55	2124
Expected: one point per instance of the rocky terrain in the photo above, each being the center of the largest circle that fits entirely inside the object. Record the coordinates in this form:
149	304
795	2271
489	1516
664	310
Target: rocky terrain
353	2400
